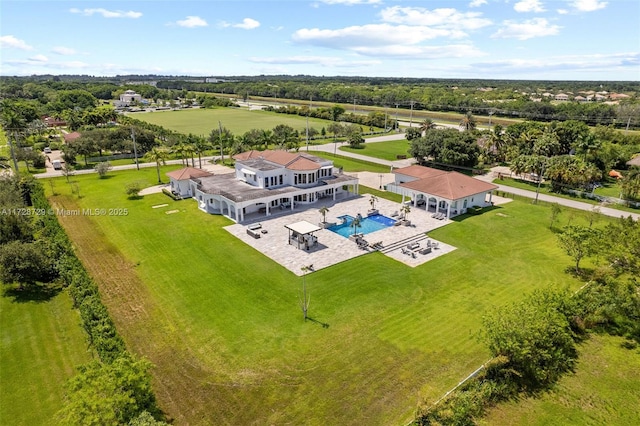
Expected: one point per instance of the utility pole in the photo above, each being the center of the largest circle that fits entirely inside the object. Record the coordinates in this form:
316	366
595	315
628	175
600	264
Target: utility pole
135	148
411	116
220	131
13	152
397	124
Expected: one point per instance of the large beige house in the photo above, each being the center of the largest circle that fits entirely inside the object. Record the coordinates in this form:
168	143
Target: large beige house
264	181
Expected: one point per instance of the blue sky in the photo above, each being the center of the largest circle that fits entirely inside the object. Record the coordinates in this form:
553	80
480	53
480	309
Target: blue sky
493	39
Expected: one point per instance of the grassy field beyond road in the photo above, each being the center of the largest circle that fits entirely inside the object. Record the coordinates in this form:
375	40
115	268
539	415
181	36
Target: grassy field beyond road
238	121
222	325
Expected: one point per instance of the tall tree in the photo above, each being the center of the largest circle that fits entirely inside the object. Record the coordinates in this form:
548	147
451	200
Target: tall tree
468	122
159	156
109	394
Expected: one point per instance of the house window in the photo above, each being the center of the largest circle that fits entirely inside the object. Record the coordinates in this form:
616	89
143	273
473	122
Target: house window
280	179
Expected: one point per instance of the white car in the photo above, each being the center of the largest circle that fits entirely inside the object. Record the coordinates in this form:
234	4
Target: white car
47	150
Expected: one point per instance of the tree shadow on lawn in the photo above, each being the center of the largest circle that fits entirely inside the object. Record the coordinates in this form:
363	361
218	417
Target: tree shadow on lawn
33	293
323	324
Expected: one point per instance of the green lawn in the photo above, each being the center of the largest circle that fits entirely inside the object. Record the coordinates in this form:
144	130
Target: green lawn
42	344
238	121
604	390
352	164
221	321
384	150
546	189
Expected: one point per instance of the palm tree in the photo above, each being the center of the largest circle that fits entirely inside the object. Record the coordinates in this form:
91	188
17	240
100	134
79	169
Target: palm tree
180	148
159	156
373	200
13	123
426	125
356	223
406	209
468	122
266	138
200	144
323	211
631	183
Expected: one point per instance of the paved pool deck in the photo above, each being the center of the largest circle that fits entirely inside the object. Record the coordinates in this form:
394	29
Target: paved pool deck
333	248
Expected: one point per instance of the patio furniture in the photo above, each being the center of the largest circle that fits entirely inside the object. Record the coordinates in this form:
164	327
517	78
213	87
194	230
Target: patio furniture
413	246
425	250
254	226
255	234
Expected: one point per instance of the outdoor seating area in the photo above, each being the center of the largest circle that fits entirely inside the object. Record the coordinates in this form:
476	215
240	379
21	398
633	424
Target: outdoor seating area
439	216
287	244
255	230
362	243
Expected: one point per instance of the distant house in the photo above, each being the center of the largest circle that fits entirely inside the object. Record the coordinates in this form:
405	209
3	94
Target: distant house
635	161
436	190
264	181
70	137
561	97
618	96
54	122
580	99
130	96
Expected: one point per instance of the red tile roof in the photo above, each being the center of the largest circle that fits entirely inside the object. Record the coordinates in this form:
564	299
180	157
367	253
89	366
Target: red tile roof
188	173
290	160
418	172
69	137
448	185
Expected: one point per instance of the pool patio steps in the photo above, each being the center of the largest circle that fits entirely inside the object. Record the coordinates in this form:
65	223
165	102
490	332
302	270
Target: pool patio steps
402	243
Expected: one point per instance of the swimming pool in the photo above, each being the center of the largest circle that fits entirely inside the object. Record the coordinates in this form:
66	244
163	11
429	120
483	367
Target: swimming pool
368	225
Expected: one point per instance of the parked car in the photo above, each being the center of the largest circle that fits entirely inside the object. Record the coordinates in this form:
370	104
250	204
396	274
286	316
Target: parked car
47	150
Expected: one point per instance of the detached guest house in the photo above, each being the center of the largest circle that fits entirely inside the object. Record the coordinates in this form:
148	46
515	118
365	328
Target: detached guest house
264	181
451	193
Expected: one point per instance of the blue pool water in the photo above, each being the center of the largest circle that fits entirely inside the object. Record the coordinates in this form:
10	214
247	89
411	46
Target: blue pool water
368	225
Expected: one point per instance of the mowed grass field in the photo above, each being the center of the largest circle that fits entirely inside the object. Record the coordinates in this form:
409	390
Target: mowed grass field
237	120
42	344
604	390
384	150
222	323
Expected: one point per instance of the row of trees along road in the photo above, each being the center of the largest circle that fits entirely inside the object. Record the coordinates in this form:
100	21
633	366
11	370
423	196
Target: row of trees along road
569	154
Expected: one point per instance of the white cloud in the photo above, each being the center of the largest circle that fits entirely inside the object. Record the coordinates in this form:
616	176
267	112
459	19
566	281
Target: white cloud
351	2
368	35
107	13
11	42
39	58
477	3
61	50
247	24
589	5
192	22
529	6
562	11
537	27
441	18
